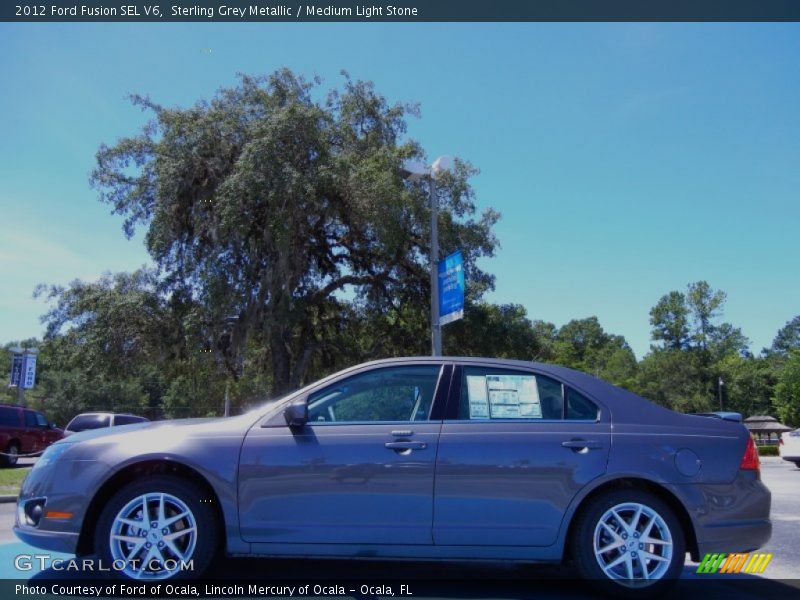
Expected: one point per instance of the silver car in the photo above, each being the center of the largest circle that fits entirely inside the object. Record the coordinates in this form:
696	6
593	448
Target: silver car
415	458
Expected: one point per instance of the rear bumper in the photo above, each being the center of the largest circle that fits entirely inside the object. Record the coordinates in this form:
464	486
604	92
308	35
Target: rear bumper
744	537
732	517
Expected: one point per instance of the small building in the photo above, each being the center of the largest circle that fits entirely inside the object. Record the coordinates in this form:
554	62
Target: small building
765	429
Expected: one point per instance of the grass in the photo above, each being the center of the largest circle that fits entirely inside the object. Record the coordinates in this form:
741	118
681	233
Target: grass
11	480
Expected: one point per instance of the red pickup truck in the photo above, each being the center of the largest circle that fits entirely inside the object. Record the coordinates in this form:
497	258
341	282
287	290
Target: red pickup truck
24	431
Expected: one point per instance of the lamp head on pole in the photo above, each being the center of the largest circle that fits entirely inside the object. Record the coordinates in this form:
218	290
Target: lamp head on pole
443	163
415	170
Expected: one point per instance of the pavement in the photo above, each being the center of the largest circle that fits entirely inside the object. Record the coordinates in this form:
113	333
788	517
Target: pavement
453	580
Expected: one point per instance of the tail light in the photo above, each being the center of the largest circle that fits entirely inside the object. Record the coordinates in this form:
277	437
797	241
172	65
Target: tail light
780	441
750	460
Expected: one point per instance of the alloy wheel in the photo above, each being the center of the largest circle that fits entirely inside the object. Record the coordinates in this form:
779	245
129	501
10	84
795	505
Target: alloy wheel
633	544
152	536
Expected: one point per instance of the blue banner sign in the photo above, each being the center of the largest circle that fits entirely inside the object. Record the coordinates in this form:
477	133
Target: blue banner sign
29	371
16	370
451	288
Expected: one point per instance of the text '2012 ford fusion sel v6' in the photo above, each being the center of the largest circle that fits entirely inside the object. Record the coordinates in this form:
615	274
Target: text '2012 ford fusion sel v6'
416	458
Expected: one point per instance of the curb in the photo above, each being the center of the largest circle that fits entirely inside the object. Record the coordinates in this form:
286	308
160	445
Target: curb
7	499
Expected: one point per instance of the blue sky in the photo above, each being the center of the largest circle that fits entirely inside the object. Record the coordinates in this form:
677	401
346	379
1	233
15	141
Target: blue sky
627	160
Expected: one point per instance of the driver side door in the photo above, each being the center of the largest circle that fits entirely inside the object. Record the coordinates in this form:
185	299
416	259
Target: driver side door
360	471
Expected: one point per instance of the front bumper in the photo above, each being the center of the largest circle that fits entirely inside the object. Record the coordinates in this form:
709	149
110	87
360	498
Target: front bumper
56	541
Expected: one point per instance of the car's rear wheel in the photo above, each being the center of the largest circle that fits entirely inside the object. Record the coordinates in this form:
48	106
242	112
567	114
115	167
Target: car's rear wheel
11	455
630	542
157	529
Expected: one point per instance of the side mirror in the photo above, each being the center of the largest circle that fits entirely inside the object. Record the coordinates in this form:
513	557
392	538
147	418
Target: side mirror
53	426
296	414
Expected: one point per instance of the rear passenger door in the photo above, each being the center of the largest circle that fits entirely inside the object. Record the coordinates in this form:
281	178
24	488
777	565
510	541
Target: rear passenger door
515	450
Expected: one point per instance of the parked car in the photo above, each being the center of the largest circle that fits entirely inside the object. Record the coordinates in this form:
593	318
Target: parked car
98	420
789	447
531	462
24	431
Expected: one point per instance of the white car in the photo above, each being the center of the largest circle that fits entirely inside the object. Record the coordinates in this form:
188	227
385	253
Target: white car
789	446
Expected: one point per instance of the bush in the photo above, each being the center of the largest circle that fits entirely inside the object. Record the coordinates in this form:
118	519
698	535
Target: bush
768	451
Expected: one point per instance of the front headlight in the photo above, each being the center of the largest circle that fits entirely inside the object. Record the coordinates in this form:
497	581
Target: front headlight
51	455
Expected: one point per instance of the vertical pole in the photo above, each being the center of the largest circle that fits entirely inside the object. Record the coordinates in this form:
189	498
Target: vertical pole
21	386
436	331
227	398
719	388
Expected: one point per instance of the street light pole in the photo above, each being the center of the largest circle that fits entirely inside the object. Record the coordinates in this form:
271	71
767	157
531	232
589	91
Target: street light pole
415	171
436	328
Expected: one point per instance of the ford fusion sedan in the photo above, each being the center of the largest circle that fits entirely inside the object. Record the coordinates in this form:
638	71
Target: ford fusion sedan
413	458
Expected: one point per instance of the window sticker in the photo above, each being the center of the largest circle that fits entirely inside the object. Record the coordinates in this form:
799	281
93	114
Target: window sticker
478	399
513	397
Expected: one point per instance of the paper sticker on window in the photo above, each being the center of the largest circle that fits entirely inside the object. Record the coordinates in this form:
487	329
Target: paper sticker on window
513	397
478	400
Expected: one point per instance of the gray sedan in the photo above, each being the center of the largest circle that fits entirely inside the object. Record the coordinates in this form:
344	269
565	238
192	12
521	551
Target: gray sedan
415	458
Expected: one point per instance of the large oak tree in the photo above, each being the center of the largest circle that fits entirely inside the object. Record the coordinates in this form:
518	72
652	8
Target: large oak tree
285	208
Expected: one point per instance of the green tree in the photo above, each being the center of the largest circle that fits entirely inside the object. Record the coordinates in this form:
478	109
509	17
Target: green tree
705	305
502	331
583	344
669	319
675	379
748	384
787	338
269	205
110	345
787	391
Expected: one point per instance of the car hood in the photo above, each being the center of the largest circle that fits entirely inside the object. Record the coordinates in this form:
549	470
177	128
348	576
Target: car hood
182	427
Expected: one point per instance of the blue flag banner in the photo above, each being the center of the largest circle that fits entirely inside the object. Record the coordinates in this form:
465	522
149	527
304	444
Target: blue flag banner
29	371
451	288
16	370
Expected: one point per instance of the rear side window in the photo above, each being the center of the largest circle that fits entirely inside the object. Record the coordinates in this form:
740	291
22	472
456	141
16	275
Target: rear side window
30	419
488	394
502	394
9	416
86	422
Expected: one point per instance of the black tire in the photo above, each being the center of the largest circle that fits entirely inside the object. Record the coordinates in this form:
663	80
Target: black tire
207	530
588	563
11	455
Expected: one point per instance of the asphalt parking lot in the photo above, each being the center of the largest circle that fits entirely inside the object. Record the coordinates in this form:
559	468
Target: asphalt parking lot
501	580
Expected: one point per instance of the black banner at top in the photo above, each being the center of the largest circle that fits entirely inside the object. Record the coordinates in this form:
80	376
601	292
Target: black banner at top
400	10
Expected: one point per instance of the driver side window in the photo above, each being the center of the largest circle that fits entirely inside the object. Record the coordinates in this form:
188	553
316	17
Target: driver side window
389	394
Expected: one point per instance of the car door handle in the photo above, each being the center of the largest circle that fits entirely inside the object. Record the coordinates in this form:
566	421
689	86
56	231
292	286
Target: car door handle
402	433
582	444
406	445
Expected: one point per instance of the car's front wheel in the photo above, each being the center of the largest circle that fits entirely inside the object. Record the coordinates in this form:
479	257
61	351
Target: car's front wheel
157	529
630	542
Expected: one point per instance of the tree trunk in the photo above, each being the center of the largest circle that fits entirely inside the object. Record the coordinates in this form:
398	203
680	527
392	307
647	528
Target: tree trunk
281	362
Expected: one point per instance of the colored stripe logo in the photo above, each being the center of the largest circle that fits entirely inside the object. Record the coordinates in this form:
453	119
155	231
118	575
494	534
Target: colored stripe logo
747	562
